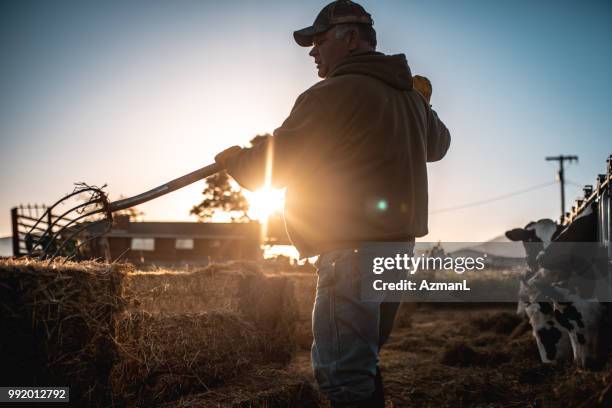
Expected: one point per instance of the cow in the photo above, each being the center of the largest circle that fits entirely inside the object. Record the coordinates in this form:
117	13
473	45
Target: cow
552	339
586	322
536	236
554	296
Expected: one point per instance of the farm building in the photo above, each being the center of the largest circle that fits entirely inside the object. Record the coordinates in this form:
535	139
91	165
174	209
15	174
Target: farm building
166	242
173	242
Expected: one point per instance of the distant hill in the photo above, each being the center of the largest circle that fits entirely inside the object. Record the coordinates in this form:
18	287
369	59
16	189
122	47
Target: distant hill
501	246
6	246
500	252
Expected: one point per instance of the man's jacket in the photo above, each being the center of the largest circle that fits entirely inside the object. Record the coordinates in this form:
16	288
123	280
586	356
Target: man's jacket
353	155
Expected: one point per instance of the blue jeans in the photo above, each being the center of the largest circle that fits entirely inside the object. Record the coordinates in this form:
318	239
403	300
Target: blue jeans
348	332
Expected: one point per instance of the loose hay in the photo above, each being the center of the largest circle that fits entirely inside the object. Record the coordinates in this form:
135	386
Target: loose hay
260	388
58	323
501	322
463	355
403	319
415	373
165	357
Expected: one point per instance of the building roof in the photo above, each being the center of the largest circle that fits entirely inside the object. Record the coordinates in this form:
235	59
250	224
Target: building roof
187	230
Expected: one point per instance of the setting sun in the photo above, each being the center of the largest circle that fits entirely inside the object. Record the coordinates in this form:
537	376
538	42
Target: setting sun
264	202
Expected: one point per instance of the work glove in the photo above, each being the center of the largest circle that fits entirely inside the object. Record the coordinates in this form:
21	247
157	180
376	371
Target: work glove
225	155
422	85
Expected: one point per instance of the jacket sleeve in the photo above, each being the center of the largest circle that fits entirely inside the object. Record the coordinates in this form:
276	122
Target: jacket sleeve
438	138
295	148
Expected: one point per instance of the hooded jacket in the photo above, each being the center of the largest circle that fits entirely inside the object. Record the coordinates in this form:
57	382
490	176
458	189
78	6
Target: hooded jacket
352	155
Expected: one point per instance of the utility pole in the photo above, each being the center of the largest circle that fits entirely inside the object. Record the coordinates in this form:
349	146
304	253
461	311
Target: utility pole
561	175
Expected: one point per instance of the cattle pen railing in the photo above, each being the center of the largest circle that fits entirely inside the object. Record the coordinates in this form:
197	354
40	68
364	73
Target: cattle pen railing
600	196
599	199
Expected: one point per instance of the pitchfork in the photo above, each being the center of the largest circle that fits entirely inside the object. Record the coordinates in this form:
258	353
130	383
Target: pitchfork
93	218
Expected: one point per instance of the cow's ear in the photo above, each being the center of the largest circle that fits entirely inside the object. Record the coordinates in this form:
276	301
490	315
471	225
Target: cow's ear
517	234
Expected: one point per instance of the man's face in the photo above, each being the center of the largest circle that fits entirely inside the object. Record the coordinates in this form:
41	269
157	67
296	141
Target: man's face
327	51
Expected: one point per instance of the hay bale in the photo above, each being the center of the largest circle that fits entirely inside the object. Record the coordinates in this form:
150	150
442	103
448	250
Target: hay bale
305	291
69	325
303	335
165	357
215	287
269	302
59	323
305	285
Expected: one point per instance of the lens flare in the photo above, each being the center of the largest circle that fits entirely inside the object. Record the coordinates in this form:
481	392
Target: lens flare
265	202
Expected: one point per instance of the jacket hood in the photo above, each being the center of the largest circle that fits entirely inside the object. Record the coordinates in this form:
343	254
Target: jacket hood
391	69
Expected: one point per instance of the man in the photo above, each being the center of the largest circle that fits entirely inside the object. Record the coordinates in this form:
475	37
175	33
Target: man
352	154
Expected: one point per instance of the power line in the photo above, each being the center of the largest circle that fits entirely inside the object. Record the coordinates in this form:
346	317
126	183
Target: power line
574	183
489	200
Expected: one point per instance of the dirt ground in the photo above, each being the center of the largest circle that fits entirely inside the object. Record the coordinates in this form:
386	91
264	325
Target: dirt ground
477	357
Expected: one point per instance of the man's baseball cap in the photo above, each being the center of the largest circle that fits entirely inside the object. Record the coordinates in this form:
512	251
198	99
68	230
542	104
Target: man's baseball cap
338	12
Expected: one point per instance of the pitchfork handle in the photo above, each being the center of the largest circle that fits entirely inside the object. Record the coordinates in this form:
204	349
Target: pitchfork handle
166	188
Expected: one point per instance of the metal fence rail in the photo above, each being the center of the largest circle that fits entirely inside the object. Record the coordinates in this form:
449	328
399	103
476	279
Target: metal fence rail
600	196
23	219
31	222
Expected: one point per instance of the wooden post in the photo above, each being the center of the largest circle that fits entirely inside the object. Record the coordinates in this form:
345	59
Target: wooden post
14	219
561	159
49	222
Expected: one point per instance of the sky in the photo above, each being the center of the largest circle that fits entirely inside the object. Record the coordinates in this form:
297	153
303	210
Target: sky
135	93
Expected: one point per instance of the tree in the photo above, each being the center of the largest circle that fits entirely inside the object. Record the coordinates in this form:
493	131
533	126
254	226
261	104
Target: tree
219	196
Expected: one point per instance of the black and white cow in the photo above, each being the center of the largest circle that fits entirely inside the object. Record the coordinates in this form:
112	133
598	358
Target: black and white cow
550	298
552	339
536	236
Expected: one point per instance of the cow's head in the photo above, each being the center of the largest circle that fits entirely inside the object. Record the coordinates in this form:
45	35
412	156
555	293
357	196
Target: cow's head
536	236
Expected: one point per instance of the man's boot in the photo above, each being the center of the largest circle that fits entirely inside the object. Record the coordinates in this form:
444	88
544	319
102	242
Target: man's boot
377	400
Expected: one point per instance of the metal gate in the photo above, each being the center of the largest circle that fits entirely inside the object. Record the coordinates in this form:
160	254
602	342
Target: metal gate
35	229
